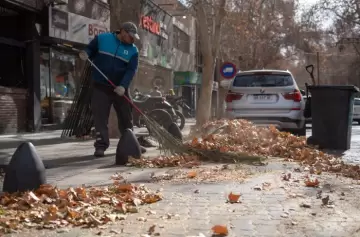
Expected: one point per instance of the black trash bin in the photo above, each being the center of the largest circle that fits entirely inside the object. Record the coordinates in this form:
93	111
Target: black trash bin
331	112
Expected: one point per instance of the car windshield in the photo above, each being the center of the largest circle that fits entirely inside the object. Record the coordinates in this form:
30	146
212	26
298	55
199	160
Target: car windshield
263	80
357	102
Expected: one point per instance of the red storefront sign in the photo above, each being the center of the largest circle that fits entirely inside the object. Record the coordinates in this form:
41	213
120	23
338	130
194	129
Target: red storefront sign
149	24
94	30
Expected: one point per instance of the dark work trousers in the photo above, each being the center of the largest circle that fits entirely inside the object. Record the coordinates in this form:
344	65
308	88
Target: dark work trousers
103	97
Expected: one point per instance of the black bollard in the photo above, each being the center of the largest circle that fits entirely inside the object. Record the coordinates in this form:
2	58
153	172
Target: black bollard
127	146
175	131
26	171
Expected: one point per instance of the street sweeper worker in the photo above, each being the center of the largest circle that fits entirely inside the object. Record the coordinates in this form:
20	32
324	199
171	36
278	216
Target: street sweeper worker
116	55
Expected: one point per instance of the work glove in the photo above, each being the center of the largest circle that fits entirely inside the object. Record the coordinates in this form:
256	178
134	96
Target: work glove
83	55
119	90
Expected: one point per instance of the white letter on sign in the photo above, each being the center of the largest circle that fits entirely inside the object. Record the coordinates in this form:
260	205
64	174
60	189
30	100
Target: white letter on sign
228	70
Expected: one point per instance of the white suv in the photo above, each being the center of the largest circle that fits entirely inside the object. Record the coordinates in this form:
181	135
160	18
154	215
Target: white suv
356	111
267	97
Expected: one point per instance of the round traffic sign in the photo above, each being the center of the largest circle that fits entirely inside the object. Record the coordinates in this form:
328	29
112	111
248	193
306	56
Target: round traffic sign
228	70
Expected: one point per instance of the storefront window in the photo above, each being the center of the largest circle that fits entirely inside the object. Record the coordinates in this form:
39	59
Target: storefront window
65	74
62	71
45	85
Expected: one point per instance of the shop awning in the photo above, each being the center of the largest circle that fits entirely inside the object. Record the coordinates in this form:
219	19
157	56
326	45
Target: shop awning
29	5
187	78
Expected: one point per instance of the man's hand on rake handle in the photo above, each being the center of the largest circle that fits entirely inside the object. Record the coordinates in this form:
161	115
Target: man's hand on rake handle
83	55
119	90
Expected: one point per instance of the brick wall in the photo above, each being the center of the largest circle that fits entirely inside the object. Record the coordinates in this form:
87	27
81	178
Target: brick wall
12	110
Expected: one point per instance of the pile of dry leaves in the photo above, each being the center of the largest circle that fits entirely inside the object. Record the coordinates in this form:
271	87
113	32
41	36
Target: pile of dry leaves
50	207
244	136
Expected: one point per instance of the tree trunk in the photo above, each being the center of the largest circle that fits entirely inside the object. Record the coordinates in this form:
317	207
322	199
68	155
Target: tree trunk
204	104
210	45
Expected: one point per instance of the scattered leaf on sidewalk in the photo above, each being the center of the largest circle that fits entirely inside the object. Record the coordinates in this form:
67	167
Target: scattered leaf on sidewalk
258	188
220	230
325	200
141	218
305	205
191	174
266	186
314	183
233	198
137	202
151	229
286	177
117	177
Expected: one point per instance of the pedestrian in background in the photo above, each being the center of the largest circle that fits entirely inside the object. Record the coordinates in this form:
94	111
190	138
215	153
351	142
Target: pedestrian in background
116	55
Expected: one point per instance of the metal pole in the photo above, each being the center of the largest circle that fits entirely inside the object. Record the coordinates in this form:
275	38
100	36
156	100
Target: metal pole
318	67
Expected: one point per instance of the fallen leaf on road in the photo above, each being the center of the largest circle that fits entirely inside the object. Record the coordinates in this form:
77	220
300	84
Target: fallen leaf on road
233	198
220	230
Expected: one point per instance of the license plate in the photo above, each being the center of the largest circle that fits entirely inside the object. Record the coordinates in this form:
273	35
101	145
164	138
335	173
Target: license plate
262	97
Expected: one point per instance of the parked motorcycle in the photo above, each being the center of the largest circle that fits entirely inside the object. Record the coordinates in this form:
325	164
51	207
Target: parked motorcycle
156	108
180	102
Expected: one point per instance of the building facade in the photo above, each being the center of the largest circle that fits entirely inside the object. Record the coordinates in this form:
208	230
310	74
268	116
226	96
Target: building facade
74	23
188	69
165	45
19	89
38	77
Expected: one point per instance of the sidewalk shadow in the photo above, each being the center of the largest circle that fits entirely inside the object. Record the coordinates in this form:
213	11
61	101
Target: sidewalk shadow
40	142
55	163
58	162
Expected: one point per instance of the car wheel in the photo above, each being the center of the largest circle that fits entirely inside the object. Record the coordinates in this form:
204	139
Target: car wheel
298	132
302	131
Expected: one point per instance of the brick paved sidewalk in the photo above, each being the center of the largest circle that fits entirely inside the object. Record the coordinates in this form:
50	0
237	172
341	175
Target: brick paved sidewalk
287	208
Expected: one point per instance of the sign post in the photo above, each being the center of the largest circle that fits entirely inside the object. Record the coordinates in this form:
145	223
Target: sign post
228	70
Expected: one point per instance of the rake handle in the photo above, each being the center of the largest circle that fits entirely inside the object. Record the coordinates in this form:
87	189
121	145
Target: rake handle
114	86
